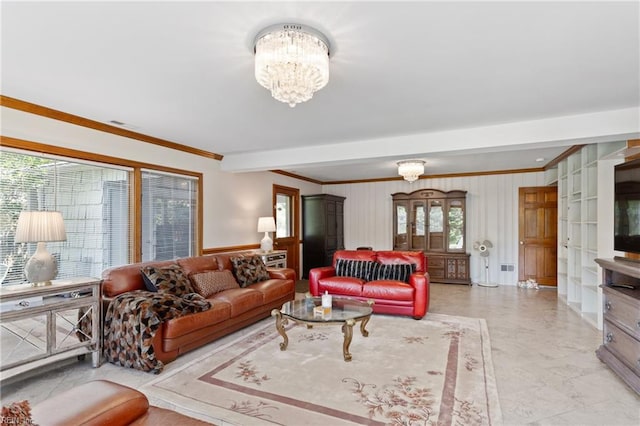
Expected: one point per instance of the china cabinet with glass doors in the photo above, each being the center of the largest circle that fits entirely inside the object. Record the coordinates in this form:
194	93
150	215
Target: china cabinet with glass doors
434	221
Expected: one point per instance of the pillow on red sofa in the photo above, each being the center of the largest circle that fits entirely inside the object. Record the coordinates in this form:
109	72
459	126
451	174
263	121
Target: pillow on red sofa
208	283
353	268
396	272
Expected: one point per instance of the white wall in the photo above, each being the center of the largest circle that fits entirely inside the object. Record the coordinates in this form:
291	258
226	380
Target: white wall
492	213
232	202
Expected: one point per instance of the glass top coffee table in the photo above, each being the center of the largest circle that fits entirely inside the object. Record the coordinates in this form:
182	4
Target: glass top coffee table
309	311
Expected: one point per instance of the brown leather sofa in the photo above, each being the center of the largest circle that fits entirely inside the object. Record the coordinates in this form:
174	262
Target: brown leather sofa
390	295
230	310
102	402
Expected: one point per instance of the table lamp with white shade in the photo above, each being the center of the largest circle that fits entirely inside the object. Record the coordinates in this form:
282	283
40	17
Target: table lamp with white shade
40	227
266	225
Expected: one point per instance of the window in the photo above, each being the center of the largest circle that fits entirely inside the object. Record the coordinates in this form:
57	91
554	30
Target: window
95	200
168	216
283	216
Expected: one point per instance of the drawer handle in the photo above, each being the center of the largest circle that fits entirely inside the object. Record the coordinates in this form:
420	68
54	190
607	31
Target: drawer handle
638	323
23	303
607	305
609	337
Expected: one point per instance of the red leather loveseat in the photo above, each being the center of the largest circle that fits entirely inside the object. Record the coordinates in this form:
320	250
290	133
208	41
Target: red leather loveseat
397	281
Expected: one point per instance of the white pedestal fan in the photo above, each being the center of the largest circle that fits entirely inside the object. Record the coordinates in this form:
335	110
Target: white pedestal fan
483	247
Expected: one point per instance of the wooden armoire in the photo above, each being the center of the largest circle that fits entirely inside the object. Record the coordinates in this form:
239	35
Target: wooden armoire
322	229
434	221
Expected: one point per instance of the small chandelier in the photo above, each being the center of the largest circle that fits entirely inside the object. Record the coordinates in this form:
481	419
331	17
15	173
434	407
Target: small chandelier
410	170
292	61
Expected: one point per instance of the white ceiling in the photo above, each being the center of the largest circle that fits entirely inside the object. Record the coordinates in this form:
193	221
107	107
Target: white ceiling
468	87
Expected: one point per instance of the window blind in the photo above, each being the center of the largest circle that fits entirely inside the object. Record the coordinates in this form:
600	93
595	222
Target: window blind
93	199
169	215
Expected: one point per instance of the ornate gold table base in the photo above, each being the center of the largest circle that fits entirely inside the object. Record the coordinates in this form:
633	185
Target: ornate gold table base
347	330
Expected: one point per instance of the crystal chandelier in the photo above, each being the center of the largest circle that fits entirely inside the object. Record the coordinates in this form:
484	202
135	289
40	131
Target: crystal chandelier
410	170
292	61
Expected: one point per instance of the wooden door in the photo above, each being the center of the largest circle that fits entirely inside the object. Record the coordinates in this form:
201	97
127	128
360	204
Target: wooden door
286	211
538	226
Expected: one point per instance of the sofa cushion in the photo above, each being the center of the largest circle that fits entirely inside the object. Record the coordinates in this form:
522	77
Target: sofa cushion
176	328
388	290
99	402
241	300
353	268
120	279
398	272
169	279
399	256
192	265
344	286
249	270
208	283
273	290
354	255
224	259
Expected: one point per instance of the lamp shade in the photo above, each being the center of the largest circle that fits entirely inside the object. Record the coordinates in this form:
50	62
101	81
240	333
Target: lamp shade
40	226
266	224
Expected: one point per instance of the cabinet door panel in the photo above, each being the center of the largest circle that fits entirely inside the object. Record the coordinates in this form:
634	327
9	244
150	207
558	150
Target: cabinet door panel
436	225
401	225
455	225
418	225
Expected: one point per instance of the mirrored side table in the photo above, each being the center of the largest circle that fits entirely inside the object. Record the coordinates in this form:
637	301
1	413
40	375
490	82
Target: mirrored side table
274	258
46	324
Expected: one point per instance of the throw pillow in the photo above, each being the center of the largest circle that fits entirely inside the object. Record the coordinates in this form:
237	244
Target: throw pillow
147	282
208	283
353	268
396	272
169	279
249	270
17	413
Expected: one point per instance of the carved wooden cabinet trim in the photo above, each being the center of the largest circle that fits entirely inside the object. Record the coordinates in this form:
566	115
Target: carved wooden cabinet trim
434	221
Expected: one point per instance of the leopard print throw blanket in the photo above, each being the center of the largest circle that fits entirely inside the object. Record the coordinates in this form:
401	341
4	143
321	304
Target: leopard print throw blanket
132	320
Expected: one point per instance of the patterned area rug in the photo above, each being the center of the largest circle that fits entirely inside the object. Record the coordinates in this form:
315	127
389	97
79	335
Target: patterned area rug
407	372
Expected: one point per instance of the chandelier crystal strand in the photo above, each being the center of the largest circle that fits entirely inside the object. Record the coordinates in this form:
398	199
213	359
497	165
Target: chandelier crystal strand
292	62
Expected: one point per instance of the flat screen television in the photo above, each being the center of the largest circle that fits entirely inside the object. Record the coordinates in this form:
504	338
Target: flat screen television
627	207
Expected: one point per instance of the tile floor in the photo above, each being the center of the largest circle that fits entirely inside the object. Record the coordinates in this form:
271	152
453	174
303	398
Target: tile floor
543	354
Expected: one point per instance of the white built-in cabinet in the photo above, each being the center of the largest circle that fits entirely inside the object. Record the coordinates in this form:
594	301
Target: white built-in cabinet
585	223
